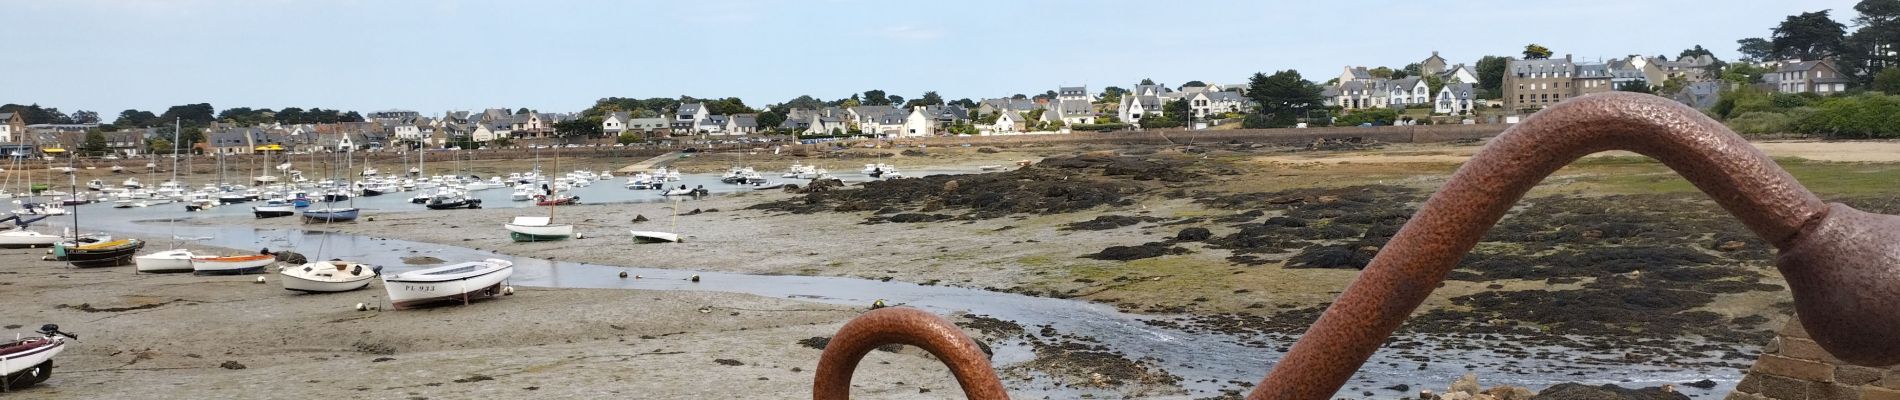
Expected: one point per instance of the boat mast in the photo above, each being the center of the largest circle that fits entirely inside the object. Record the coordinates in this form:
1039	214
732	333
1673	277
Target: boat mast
554	188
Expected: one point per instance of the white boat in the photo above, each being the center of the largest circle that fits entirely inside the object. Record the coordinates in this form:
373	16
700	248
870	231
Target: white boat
327	276
231	265
522	193
95	185
655	237
132	183
18	238
538	229
28	361
450	283
176	260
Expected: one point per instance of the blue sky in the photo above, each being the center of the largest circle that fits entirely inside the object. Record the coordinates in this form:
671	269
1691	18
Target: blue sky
558	55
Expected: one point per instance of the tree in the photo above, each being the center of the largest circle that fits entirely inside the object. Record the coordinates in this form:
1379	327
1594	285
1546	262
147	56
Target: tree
1756	49
1178	108
1673	85
192	114
85	117
875	97
1695	52
1433	83
34	114
932	99
804	102
1413	69
1636	86
1282	98
1808	36
1381	72
1146	81
1112	95
965	103
135	118
770	120
158	146
1888	81
727	106
1190	84
523	110
578	128
1019	96
1743	73
1535	51
95	143
628	137
1491	75
895	99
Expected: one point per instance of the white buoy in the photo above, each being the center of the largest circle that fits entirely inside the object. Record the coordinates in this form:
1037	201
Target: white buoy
695	278
260	279
580	236
362	307
637	277
507	290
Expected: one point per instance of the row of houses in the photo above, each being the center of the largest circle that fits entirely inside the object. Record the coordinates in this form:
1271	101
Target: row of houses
1357	88
1533	84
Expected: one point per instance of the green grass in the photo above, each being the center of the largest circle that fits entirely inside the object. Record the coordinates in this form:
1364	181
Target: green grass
1642	175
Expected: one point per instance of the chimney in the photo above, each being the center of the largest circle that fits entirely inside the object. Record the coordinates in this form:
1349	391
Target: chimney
1566	57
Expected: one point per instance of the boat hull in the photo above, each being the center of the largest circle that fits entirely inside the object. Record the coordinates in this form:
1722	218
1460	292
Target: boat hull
274	211
655	237
418	289
539	233
30	363
164	261
239	265
307	279
102	257
345	215
18	239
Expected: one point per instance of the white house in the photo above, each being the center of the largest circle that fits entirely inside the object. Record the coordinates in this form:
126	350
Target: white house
917	124
1408	91
7	121
406	132
1454	99
1007	123
1073	105
489	131
1134	107
1207	104
615	122
687	118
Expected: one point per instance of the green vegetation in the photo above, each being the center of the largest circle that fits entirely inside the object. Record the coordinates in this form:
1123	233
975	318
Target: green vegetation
1644	175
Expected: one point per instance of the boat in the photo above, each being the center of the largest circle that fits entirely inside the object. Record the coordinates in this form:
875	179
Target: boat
22	238
538	229
540	200
463	282
132	183
450	201
176	260
330	214
274	208
326	276
655	237
233	198
95	185
771	186
522	193
231	265
421	198
106	254
28	361
39	209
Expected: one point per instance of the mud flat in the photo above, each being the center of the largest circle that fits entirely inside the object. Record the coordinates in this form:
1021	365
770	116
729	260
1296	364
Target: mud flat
191	337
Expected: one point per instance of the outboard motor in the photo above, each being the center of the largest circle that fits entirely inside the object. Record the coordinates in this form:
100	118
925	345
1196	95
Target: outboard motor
52	329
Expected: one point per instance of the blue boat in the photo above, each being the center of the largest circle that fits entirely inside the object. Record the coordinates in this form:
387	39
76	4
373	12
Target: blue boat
330	215
301	202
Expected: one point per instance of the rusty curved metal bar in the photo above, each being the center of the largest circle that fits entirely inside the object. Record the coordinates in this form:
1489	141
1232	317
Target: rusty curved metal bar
904	325
1842	265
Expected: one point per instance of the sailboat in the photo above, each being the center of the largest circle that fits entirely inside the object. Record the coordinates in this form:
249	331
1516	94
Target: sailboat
331	213
640	236
20	236
174	260
540	229
327	276
28	361
99	254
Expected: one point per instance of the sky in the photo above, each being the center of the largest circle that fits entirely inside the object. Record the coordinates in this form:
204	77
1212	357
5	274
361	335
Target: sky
562	55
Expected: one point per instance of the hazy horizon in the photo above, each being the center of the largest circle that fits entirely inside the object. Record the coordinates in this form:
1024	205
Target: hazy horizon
432	56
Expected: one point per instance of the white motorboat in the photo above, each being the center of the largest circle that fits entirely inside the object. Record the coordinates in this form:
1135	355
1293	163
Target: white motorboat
132	183
95	185
522	193
327	276
28	361
655	237
231	265
462	282
176	260
18	238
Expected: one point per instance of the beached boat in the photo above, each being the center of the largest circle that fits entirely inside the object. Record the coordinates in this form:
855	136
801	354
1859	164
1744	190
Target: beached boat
327	276
231	265
106	254
462	282
29	361
556	201
176	260
655	237
330	214
450	201
538	229
22	238
274	208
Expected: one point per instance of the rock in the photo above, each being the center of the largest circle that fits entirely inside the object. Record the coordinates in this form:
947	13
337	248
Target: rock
913	153
1146	250
1194	235
382	359
1467	384
638	218
950	186
421	260
1401	388
1510	393
987	150
728	362
231	365
1701	384
1578	391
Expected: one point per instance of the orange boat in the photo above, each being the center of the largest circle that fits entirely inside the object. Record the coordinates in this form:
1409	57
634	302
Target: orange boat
232	265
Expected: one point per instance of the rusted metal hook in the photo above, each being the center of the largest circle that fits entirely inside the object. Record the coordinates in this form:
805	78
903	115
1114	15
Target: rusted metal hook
1842	265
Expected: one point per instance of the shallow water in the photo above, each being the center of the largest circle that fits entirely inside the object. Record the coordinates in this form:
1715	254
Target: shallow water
1206	362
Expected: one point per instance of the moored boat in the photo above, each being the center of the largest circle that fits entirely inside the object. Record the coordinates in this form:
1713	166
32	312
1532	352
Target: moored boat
106	254
176	260
274	208
22	238
330	214
29	361
231	265
538	229
462	282
655	237
326	276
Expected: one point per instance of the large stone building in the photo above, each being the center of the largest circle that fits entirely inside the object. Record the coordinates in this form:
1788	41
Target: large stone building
1531	85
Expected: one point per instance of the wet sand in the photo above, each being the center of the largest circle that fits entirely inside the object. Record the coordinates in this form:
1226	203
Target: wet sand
180	336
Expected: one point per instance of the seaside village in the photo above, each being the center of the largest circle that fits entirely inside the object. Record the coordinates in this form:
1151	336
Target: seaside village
1433	90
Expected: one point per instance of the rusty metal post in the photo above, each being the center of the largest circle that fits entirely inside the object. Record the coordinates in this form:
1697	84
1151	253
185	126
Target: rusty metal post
904	325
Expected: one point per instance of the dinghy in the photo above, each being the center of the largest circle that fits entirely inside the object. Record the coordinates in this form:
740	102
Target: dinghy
177	260
21	238
538	229
107	254
326	276
327	215
450	283
29	361
274	208
655	237
232	265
